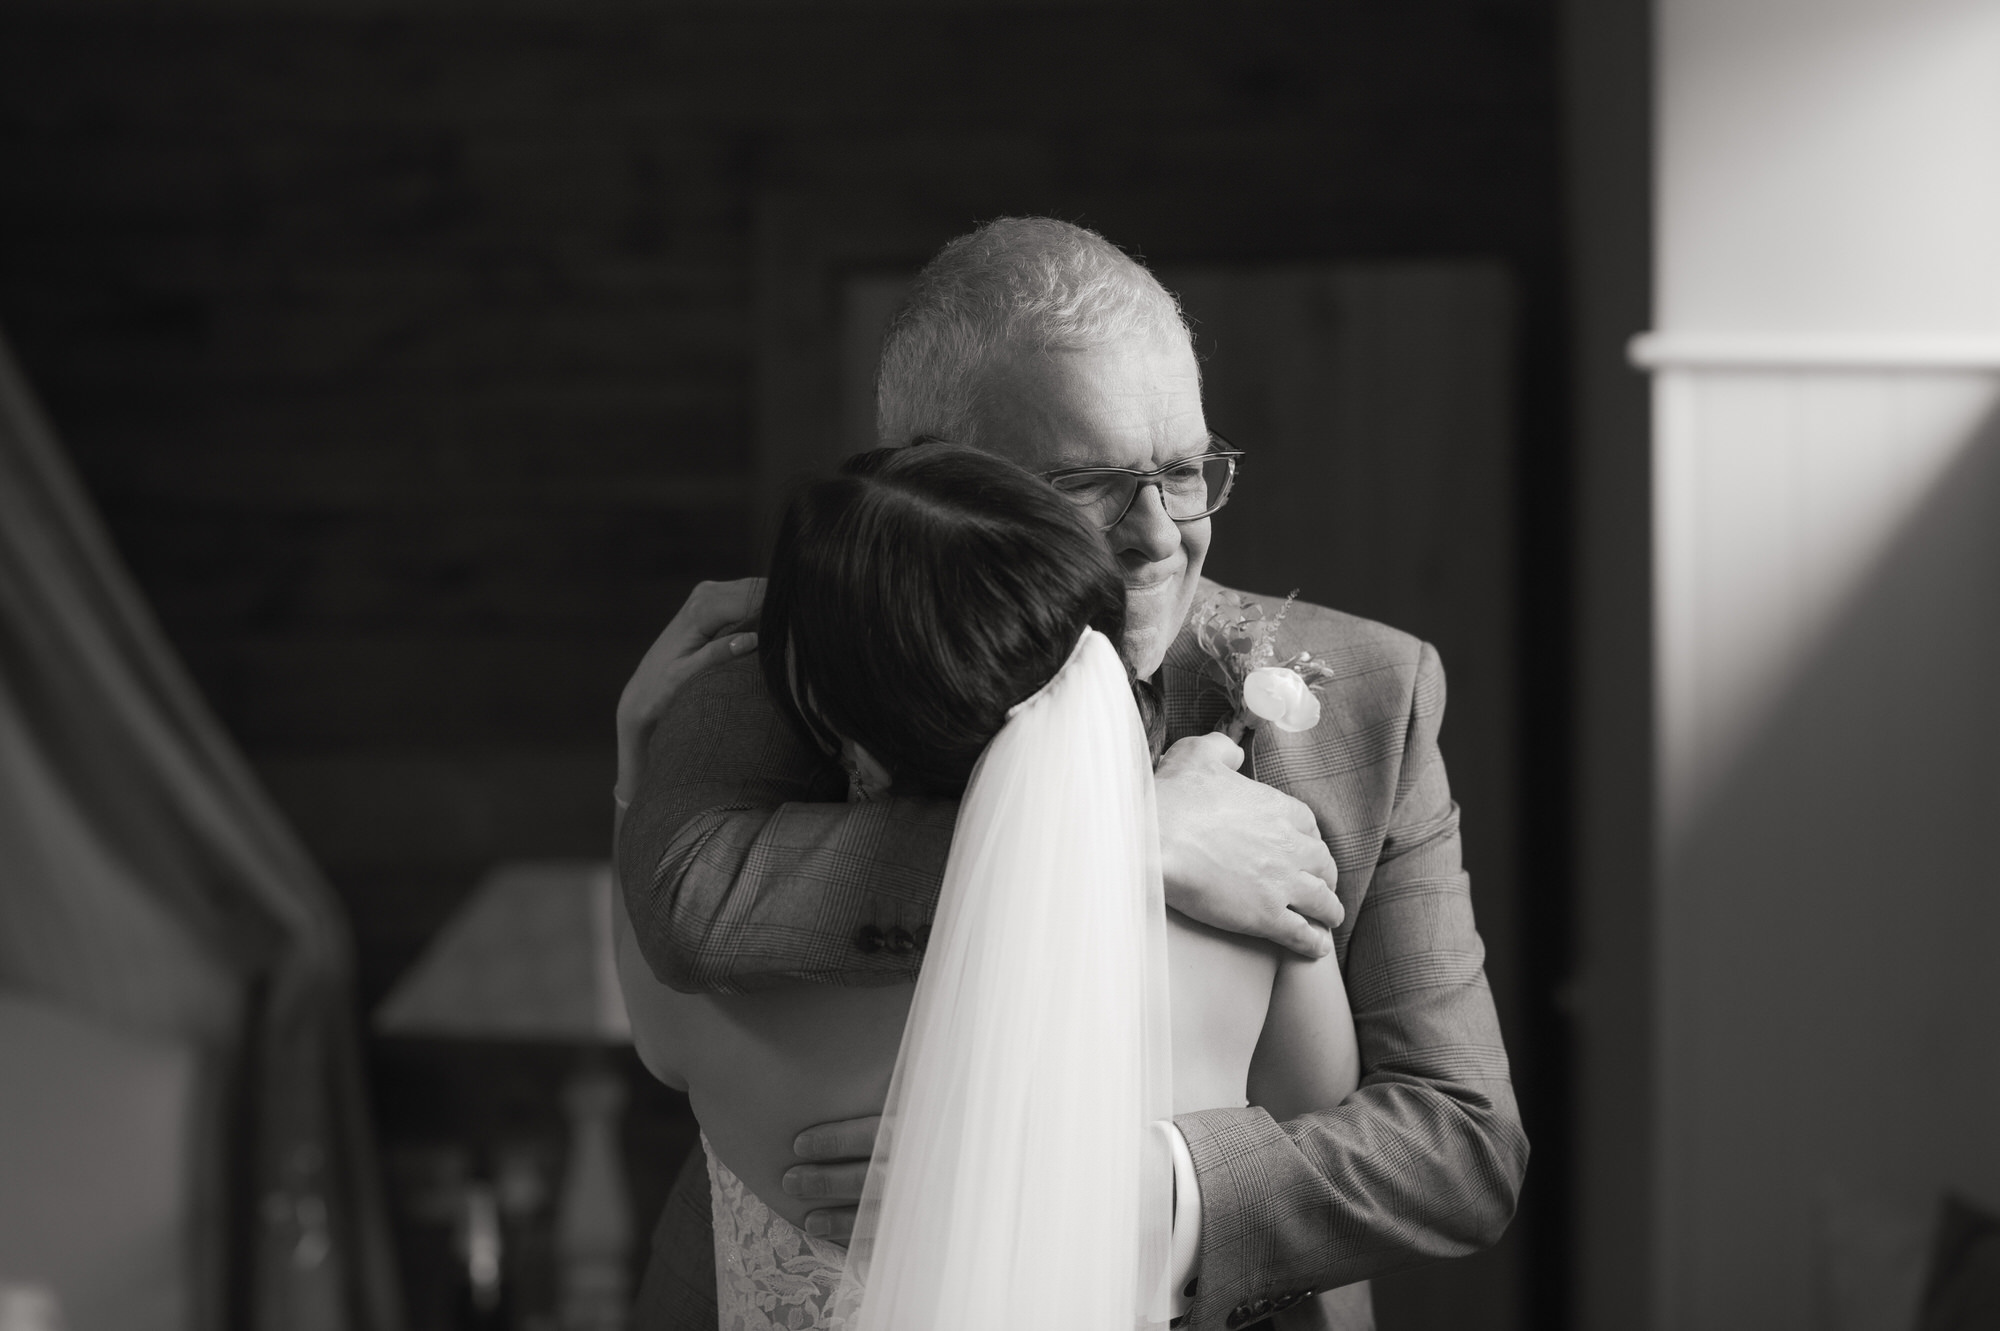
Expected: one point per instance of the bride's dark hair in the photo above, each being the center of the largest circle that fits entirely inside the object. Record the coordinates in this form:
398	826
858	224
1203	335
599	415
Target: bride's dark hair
918	594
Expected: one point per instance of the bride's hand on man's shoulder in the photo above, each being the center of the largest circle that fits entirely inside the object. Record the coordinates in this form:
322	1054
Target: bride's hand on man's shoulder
712	627
1240	855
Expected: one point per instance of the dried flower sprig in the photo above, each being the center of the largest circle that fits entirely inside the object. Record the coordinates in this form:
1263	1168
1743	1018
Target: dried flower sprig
1243	643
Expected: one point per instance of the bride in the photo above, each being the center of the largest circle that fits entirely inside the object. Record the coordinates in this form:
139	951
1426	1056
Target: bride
944	622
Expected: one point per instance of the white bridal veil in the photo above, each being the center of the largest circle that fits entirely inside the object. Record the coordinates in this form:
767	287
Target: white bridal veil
1014	1182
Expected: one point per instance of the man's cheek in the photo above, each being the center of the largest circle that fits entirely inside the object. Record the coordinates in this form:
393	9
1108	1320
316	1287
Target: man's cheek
1194	544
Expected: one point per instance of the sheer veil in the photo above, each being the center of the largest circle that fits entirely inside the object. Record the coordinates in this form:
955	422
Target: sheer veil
1014	1181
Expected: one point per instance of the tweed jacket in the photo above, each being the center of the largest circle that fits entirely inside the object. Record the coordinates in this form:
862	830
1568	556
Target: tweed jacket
743	867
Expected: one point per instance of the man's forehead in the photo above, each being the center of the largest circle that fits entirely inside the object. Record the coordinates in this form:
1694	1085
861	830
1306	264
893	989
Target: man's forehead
1129	454
1131	404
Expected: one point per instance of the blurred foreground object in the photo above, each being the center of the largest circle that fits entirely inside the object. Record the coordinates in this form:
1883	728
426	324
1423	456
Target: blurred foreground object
530	956
95	1136
29	1308
152	896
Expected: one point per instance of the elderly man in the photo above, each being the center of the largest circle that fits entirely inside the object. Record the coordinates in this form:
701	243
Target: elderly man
1044	343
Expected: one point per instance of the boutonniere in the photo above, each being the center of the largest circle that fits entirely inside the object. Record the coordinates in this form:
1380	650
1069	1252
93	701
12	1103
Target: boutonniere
1243	643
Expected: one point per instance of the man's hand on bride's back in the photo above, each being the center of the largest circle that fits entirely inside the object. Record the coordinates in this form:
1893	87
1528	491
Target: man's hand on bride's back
1241	855
836	1156
708	630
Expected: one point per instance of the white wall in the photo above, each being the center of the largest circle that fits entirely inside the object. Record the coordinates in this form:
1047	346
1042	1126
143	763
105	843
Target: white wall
1826	513
1829	166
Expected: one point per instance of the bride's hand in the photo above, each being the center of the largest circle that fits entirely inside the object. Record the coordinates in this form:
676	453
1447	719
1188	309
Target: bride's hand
704	633
838	1155
1241	855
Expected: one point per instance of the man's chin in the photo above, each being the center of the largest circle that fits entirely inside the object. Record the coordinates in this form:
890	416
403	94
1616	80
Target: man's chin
1144	649
1153	617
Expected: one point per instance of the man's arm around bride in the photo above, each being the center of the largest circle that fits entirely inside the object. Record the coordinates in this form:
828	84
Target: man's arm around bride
743	868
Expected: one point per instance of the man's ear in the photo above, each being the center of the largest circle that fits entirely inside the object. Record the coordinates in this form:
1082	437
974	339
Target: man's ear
872	780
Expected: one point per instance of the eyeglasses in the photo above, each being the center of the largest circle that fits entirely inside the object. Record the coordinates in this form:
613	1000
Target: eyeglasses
1190	489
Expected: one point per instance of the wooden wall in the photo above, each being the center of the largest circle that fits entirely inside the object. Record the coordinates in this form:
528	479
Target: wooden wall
414	357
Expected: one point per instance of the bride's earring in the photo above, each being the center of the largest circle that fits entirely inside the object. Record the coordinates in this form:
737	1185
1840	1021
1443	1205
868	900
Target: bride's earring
857	789
866	778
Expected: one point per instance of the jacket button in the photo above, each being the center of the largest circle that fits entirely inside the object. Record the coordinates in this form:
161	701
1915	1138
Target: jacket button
1260	1307
1239	1314
900	942
869	939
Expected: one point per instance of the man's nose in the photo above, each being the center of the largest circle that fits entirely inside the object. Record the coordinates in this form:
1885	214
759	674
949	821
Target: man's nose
1146	530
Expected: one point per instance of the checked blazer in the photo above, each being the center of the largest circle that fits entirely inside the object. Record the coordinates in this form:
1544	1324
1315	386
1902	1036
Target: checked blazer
743	868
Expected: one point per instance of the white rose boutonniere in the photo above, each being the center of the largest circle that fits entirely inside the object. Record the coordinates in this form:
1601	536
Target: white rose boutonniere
1282	697
1243	643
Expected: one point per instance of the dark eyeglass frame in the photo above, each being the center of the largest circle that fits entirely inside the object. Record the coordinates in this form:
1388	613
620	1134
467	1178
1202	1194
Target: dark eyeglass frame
1226	451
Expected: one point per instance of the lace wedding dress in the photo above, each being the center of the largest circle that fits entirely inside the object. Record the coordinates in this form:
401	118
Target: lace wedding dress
770	1275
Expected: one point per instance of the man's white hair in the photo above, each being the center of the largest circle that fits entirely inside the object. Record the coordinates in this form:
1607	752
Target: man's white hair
1016	285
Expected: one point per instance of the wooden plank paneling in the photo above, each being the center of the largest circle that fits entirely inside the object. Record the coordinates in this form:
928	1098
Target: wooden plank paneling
293	692
422	571
384	807
560	444
1165	64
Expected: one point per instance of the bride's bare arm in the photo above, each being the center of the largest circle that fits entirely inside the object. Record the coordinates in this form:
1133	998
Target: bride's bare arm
1307	1057
649	1004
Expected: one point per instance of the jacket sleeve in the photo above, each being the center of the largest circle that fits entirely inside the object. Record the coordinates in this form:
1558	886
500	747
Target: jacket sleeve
743	868
1425	1159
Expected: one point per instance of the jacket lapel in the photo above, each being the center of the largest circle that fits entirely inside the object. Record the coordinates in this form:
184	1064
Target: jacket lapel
1193	693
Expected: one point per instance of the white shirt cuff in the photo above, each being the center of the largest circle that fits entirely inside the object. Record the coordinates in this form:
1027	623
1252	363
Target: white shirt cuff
1186	1261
